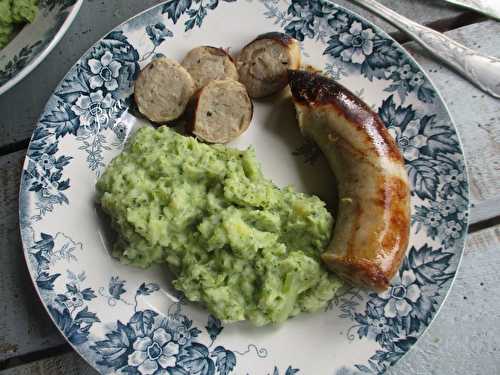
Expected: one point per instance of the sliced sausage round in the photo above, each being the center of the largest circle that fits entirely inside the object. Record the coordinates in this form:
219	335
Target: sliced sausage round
163	89
220	111
207	63
263	64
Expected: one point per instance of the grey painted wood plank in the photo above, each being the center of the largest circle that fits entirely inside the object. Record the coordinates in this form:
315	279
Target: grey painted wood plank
485	209
65	364
97	18
476	115
24	323
465	336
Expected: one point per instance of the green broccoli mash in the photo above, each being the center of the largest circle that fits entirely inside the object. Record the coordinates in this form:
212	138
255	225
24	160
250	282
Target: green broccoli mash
233	240
14	13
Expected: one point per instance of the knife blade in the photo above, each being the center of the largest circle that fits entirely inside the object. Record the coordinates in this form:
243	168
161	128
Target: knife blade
488	7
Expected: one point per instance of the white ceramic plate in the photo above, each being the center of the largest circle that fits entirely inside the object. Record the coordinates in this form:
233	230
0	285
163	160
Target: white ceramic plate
124	320
34	42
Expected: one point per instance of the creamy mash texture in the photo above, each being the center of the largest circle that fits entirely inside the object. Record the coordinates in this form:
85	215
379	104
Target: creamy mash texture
14	13
234	241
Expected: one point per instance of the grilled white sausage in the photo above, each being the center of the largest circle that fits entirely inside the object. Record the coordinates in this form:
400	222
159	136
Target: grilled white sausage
162	90
220	111
207	63
373	220
263	64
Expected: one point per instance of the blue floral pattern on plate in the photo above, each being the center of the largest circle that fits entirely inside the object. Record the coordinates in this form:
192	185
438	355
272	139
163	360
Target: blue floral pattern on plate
128	321
356	45
18	58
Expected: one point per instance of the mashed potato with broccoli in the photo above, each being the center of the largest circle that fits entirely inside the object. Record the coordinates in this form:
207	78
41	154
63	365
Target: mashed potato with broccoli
13	14
234	241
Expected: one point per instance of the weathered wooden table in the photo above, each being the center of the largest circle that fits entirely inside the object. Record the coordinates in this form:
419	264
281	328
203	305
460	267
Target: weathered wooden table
464	338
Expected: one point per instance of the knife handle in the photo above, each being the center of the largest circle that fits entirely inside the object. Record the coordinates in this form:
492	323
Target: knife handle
481	70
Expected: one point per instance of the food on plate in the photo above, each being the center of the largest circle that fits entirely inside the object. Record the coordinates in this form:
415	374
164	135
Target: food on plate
373	220
163	90
233	240
220	111
263	64
207	63
13	14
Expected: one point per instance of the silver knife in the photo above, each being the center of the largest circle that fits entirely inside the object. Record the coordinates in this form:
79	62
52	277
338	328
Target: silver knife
489	7
481	70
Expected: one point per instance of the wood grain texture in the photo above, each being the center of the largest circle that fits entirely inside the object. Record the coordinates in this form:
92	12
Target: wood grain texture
24	324
96	18
485	209
465	336
476	115
65	364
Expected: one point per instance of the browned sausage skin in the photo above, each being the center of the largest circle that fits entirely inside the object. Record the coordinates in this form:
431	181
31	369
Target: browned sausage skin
371	234
284	39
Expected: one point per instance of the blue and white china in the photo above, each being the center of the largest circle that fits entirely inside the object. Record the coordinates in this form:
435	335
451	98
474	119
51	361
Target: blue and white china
125	320
35	40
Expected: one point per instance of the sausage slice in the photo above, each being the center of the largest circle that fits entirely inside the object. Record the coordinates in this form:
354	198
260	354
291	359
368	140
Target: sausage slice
163	89
263	64
207	63
220	111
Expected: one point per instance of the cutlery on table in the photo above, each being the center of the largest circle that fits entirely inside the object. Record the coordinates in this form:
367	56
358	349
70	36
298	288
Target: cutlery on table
488	7
481	70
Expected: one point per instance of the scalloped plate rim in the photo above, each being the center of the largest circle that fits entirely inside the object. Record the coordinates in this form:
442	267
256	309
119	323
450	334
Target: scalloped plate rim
68	22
